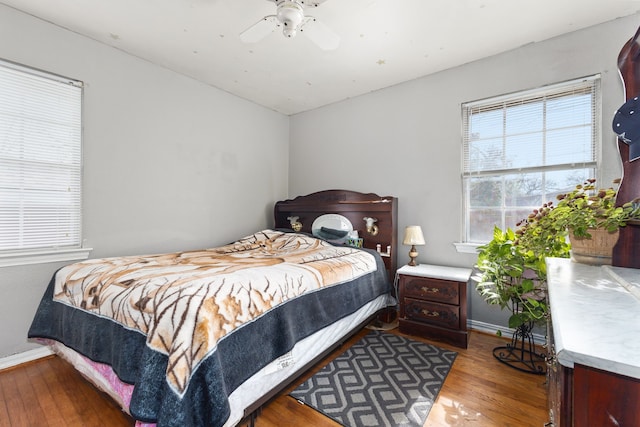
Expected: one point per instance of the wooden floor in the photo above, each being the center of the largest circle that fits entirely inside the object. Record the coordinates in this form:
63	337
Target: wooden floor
479	391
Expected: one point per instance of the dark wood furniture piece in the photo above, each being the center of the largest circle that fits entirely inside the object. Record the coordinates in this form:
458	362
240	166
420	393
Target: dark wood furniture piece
585	396
627	251
593	373
355	207
433	302
560	395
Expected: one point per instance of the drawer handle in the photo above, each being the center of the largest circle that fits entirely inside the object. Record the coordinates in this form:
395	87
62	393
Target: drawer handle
431	313
430	290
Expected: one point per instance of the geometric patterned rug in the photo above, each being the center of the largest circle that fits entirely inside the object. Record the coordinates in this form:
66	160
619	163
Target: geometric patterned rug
382	380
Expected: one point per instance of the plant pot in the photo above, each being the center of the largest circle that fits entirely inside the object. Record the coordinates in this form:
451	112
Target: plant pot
595	250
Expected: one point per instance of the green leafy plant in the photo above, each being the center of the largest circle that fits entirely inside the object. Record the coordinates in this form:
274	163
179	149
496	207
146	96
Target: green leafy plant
540	236
587	207
512	268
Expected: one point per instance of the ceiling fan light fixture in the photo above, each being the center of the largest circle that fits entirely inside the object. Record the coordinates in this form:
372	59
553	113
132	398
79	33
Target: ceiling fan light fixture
291	18
290	14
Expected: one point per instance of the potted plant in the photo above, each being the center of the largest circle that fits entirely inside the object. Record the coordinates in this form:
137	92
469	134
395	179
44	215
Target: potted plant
507	280
593	220
512	274
512	268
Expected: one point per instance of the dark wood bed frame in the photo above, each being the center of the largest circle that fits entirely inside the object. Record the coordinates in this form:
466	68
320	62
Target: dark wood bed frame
354	206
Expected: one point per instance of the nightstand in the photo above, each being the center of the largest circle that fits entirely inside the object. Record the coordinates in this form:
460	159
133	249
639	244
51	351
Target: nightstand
433	302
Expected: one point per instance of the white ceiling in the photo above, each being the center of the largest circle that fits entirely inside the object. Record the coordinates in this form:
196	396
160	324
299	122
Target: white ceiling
382	42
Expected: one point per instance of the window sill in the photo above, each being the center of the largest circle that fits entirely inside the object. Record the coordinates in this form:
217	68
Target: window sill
41	257
467	248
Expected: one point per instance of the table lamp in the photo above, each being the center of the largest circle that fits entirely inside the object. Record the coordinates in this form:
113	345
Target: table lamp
413	236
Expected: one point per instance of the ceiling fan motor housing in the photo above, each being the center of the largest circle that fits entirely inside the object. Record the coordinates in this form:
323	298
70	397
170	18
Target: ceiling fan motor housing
290	14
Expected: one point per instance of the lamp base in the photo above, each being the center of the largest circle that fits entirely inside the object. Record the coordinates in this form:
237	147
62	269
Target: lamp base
413	254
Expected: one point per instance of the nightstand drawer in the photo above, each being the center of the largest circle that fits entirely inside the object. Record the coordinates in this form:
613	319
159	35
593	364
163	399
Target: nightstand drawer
431	289
432	312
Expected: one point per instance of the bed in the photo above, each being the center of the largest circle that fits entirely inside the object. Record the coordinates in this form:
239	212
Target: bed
206	337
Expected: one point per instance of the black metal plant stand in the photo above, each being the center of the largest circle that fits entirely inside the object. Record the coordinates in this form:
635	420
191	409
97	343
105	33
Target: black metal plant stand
521	353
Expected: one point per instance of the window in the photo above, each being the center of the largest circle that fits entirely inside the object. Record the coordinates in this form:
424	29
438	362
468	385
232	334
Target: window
521	150
40	162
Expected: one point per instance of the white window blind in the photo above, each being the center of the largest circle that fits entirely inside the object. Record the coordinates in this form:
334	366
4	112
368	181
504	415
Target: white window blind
40	160
521	150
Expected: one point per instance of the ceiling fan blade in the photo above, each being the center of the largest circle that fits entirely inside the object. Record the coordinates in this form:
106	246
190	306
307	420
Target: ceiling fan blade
260	29
321	35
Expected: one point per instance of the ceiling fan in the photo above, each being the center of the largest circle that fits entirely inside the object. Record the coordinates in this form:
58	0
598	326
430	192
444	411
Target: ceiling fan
290	15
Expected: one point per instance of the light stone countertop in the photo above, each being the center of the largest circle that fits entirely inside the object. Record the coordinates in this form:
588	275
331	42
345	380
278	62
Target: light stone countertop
456	274
595	312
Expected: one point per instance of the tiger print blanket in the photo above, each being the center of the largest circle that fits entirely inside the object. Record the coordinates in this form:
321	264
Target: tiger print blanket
186	302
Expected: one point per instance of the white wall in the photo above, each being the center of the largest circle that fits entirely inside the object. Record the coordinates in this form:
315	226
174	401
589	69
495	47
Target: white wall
169	163
406	140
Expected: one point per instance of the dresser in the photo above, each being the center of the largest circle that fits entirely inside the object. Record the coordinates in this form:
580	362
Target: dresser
433	302
593	344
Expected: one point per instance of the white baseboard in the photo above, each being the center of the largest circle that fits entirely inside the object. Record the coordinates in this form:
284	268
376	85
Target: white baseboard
24	357
506	332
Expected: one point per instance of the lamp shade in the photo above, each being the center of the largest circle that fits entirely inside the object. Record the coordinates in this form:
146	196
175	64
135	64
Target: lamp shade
413	235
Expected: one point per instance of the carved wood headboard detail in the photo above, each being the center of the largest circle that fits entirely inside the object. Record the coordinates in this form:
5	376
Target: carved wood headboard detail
353	205
627	252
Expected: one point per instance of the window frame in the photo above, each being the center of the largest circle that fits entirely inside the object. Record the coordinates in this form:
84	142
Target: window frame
46	254
545	93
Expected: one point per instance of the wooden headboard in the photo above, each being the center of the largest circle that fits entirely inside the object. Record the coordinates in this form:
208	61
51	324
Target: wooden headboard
354	206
